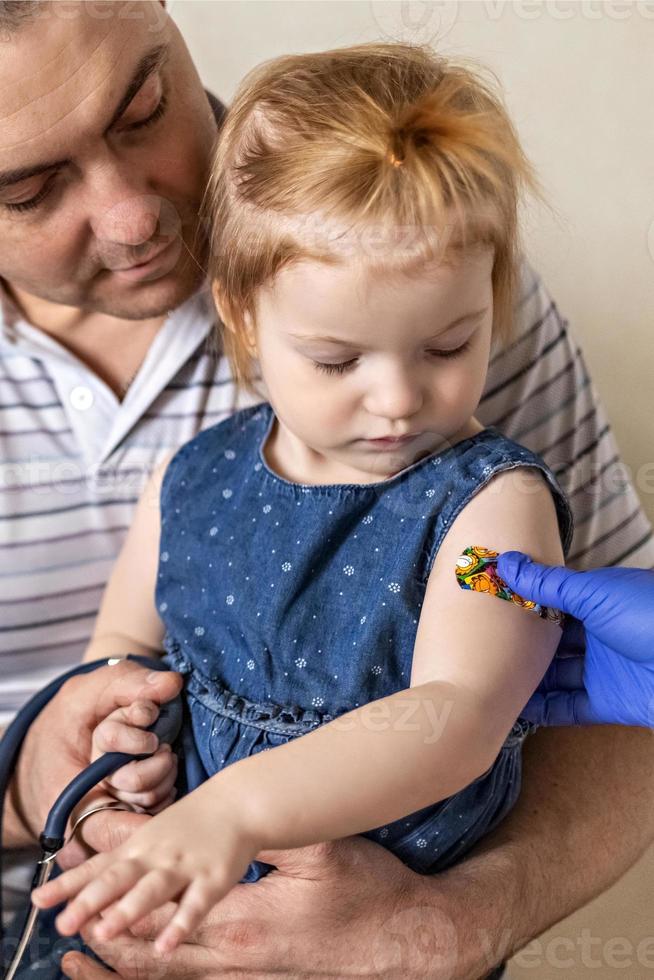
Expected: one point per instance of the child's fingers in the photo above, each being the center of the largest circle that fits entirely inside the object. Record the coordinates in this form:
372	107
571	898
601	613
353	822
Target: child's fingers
98	894
144	774
70	882
151	797
141	777
172	796
120	733
148	894
194	904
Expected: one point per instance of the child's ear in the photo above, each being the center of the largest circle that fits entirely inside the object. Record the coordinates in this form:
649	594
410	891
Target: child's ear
221	307
250	335
217	294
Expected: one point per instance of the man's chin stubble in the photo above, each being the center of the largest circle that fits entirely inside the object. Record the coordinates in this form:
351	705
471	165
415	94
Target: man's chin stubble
145	302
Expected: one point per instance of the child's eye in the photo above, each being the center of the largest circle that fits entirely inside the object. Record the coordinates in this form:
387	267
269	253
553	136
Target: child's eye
451	353
348	365
335	368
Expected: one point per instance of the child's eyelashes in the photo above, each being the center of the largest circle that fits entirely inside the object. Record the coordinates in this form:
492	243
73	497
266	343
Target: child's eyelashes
335	368
346	366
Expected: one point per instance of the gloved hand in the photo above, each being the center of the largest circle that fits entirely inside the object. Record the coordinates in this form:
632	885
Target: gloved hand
614	682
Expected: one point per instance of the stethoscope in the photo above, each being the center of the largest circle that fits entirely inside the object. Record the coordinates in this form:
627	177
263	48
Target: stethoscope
53	838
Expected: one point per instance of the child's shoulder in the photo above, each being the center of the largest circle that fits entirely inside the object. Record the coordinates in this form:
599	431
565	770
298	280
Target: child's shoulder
484	438
224	440
477	461
479	457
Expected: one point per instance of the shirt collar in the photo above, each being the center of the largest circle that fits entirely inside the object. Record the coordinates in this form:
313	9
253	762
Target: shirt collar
183	332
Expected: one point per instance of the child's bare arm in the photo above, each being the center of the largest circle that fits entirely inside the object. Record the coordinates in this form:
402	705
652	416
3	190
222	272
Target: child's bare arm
127	621
476	662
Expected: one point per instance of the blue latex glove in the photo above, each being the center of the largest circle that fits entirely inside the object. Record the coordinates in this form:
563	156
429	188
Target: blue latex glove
614	682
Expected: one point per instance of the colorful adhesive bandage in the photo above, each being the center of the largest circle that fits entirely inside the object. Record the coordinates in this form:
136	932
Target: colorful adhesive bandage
476	569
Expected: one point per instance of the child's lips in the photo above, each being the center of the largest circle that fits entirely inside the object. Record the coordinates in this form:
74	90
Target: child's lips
394	442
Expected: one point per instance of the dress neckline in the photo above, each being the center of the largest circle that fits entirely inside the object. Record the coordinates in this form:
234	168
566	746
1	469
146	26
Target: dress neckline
267	408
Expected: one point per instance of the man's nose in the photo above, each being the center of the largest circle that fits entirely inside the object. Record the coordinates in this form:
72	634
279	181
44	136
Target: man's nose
130	221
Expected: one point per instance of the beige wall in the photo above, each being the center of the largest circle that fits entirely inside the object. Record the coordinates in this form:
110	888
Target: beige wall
579	80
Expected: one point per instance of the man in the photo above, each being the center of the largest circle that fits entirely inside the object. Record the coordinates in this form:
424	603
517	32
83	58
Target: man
104	153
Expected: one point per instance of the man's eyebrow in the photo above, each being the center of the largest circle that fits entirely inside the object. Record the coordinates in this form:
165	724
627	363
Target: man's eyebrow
10	177
149	63
346	343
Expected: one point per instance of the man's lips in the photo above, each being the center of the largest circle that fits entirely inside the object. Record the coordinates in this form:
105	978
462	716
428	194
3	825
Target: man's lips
135	265
159	264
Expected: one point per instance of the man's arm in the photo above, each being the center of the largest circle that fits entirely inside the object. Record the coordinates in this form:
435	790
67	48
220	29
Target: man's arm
352	908
15	829
563	844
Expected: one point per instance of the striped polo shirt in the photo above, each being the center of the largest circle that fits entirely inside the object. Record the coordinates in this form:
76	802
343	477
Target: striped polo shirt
73	460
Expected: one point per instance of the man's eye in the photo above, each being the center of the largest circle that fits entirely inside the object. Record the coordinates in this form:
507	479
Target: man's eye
33	202
151	119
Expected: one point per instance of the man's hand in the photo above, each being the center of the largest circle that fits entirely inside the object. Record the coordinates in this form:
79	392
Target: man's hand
347	908
58	745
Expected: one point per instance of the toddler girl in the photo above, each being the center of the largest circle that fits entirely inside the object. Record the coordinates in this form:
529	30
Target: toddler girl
364	248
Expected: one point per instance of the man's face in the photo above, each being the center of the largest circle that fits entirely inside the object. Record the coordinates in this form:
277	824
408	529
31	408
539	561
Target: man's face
108	98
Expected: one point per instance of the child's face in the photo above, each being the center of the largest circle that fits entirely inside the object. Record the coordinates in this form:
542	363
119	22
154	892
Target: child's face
394	332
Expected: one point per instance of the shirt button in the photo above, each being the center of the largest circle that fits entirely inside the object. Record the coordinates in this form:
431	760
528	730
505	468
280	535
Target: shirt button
81	398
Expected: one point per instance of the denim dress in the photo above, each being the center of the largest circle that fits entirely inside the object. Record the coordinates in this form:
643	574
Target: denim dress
286	605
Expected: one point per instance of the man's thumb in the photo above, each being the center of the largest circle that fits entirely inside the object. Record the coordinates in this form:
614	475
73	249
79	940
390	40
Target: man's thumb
79	967
545	584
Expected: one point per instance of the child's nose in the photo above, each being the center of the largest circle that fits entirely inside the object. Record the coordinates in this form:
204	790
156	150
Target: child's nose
396	396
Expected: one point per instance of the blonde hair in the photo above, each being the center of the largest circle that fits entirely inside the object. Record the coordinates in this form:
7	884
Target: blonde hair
362	144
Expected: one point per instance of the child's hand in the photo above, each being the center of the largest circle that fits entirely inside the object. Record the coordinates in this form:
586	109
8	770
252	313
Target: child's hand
146	784
194	853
